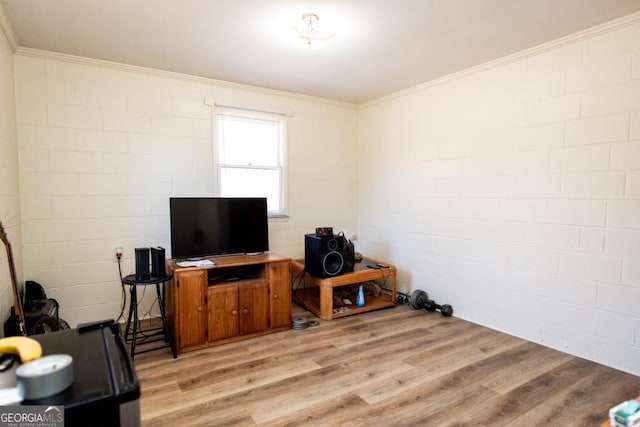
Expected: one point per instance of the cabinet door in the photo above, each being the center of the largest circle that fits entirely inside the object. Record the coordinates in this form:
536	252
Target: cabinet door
192	293
254	307
280	293
223	312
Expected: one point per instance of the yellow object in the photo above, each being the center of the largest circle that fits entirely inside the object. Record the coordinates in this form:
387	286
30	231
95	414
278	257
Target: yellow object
27	348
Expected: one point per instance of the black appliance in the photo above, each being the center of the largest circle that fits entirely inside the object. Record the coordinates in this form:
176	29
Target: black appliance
105	389
204	226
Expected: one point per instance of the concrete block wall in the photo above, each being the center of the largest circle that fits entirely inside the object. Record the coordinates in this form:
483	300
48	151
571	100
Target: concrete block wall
103	146
512	192
9	182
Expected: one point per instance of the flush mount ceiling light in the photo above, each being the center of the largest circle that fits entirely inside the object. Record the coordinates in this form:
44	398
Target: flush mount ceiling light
310	34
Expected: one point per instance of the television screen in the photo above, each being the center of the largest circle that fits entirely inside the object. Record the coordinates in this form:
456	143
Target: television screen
205	226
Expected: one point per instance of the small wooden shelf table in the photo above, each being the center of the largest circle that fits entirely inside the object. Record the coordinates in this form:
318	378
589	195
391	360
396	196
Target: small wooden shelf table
316	293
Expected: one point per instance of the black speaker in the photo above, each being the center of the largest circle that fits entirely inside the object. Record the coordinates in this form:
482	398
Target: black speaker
323	255
142	264
158	262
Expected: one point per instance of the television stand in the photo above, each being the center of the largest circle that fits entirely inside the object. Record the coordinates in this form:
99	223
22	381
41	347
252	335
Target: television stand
316	294
232	298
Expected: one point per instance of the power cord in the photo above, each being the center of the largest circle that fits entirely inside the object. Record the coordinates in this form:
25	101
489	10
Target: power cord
123	298
384	278
297	278
144	332
300	279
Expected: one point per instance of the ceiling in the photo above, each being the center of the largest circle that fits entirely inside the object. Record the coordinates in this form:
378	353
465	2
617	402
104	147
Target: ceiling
380	46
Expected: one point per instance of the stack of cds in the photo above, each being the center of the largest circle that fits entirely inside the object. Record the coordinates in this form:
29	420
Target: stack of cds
300	323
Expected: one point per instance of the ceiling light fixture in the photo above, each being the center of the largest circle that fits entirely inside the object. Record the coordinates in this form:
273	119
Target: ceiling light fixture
308	33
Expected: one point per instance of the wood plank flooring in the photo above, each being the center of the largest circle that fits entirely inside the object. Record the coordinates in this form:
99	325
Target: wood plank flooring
392	367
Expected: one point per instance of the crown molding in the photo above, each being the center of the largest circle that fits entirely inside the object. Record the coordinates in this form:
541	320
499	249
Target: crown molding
579	36
118	66
7	29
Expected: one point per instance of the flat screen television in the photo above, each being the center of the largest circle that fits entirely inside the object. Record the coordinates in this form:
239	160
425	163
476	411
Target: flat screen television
207	226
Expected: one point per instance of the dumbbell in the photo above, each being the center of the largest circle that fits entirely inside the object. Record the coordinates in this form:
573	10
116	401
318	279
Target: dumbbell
402	298
446	310
420	299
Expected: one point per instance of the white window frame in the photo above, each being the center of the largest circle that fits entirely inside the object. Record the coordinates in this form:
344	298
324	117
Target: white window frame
254	114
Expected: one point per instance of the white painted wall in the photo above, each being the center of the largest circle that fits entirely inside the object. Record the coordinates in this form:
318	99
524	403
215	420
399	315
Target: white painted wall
9	186
103	146
513	193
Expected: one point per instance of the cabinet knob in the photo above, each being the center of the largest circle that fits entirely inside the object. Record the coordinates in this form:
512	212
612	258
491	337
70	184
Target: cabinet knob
234	312
275	296
245	310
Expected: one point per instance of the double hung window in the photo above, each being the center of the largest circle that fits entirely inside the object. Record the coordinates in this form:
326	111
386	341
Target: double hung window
251	155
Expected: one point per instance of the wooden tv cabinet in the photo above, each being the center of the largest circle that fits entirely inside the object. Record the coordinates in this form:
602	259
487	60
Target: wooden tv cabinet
317	294
240	297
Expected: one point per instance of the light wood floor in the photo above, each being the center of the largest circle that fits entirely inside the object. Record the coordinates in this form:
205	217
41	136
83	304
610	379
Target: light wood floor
393	367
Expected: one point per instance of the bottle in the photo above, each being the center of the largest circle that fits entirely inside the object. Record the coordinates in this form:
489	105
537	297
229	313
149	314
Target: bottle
360	297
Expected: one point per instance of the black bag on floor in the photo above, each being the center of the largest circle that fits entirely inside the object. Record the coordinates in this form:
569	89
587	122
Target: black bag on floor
40	312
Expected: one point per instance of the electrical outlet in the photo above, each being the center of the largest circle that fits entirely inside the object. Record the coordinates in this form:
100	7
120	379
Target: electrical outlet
118	252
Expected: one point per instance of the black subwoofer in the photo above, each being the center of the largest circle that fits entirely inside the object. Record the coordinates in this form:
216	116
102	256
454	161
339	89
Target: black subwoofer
323	255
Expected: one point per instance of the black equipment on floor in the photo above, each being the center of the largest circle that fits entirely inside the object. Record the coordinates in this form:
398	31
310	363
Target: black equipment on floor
41	313
420	299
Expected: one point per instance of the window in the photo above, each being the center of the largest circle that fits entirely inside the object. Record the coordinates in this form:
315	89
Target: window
251	156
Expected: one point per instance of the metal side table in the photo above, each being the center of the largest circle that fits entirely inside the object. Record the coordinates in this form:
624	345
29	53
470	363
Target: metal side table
148	335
